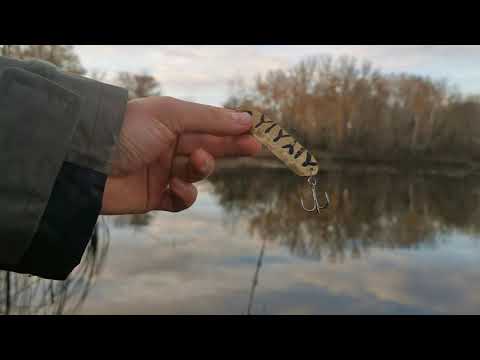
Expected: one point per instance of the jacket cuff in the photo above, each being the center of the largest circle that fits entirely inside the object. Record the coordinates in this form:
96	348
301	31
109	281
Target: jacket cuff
100	120
100	117
37	121
66	226
72	125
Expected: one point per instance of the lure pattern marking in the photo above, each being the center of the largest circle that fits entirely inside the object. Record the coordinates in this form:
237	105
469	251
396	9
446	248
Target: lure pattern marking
283	145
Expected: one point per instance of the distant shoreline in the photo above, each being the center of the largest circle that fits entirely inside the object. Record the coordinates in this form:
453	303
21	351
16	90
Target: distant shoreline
345	164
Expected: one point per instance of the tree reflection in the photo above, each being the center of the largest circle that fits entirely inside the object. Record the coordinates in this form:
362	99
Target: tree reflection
23	294
380	210
135	220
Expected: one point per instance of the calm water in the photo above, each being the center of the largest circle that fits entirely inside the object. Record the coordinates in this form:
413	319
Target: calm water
388	245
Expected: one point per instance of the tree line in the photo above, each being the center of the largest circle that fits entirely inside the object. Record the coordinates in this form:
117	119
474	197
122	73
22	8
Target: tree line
348	108
339	106
64	56
367	211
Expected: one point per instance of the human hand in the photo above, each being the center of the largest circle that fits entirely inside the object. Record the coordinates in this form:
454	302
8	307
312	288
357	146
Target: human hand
165	146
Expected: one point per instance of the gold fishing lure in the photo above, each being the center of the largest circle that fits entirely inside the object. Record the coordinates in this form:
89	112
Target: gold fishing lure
284	146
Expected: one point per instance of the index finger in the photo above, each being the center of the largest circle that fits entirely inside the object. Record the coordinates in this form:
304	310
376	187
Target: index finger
185	116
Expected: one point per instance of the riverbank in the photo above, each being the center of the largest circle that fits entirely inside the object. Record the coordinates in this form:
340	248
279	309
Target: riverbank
347	164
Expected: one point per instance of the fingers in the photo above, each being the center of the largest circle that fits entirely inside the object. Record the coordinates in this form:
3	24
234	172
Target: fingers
198	166
179	196
184	116
182	194
219	146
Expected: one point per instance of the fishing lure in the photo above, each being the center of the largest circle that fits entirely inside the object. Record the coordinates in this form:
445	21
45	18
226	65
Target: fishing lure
284	146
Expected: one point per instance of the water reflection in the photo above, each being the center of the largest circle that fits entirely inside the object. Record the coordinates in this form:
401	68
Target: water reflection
135	221
255	279
388	244
247	247
382	211
28	295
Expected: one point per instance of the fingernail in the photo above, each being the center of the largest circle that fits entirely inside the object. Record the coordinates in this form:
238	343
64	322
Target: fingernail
242	118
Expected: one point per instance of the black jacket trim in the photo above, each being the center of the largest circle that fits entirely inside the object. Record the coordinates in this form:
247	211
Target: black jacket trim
66	225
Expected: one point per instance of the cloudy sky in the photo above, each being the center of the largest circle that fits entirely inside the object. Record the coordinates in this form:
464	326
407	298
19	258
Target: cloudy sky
202	73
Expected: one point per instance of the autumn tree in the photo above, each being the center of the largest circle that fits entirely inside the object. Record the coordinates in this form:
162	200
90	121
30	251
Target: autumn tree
138	85
62	56
351	108
98	75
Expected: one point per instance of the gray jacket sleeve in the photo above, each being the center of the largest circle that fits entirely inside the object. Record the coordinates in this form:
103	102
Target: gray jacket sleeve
48	119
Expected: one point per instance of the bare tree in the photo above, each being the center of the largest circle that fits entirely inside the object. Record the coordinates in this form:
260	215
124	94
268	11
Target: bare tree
97	75
5	50
22	294
344	107
139	85
63	56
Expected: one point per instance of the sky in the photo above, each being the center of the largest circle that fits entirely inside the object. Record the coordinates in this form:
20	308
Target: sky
202	73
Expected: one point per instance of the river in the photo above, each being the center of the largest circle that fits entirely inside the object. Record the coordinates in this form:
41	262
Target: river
388	244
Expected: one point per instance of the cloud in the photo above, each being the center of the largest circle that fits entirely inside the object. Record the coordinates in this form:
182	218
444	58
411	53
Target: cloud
203	72
192	262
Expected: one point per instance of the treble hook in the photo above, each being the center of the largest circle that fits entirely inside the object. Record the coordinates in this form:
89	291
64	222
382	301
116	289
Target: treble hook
312	181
